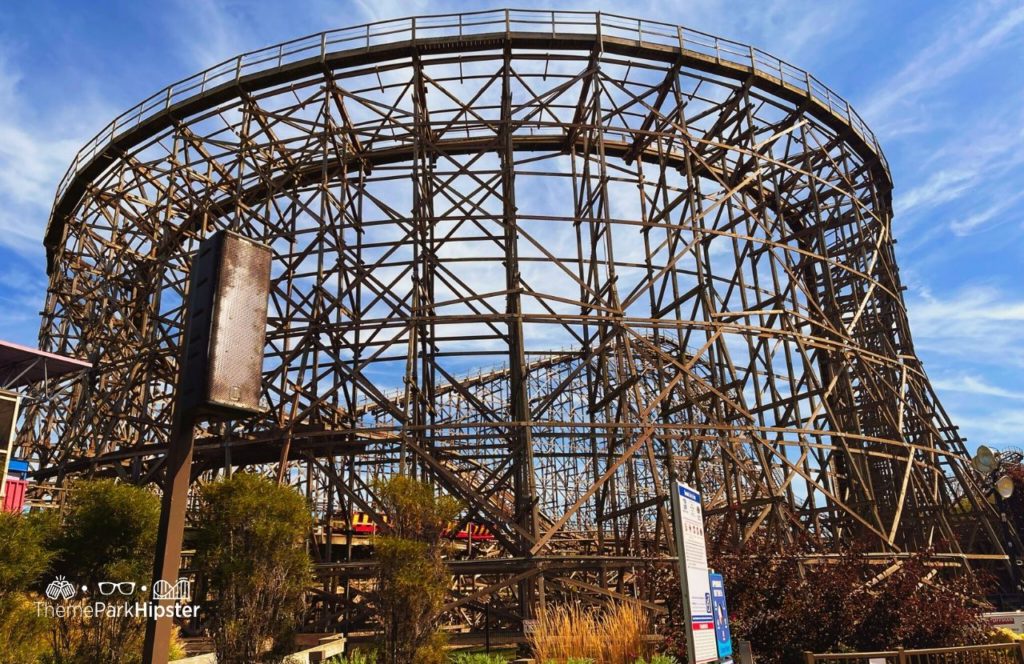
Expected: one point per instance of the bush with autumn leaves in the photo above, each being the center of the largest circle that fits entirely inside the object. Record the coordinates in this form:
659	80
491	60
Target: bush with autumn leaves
845	602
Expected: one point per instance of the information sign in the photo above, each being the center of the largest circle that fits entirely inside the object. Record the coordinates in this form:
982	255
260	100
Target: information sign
693	574
723	637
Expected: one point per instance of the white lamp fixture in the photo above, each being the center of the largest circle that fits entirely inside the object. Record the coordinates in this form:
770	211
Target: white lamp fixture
984	461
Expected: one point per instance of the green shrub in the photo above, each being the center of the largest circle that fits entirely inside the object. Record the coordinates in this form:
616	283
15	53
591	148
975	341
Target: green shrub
250	549
412	578
415	512
356	657
476	658
25	555
23	632
108	534
25	551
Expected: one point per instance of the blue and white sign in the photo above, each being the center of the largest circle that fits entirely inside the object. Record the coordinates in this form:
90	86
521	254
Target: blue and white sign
693	574
721	614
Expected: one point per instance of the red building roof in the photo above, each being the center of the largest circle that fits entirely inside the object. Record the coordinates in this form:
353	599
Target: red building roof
21	365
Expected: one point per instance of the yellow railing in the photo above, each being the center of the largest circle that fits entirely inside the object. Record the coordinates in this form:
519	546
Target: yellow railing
1002	653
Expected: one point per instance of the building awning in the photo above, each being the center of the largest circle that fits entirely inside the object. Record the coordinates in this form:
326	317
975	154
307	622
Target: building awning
21	365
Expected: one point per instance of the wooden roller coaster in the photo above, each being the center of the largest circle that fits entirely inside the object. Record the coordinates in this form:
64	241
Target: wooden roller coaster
548	260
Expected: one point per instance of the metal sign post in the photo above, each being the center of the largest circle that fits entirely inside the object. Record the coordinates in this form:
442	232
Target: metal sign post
220	377
171	531
693	574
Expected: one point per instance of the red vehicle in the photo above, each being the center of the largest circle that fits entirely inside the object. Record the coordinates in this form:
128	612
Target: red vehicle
362	524
14	494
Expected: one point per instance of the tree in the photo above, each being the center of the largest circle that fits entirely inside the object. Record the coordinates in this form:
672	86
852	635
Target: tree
25	555
250	549
915	607
108	535
412	579
785	605
25	551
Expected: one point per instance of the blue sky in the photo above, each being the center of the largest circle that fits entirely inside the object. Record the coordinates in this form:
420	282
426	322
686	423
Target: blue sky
941	82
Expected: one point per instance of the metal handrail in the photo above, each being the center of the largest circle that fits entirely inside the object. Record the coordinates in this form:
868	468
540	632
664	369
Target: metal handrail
470	24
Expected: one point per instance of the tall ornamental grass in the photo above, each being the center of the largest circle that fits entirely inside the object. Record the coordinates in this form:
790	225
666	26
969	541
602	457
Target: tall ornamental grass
612	636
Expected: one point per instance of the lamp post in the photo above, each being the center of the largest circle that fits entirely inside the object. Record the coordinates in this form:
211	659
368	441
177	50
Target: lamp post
988	464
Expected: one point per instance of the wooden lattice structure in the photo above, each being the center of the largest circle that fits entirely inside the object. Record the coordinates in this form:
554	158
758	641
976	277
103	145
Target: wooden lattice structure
549	260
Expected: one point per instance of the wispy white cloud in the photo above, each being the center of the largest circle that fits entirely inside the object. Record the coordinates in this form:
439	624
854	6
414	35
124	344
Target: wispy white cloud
36	148
978	323
209	32
21	295
1000	427
979	220
976	385
802	33
940	187
37	143
965	38
973	345
980	166
380	10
